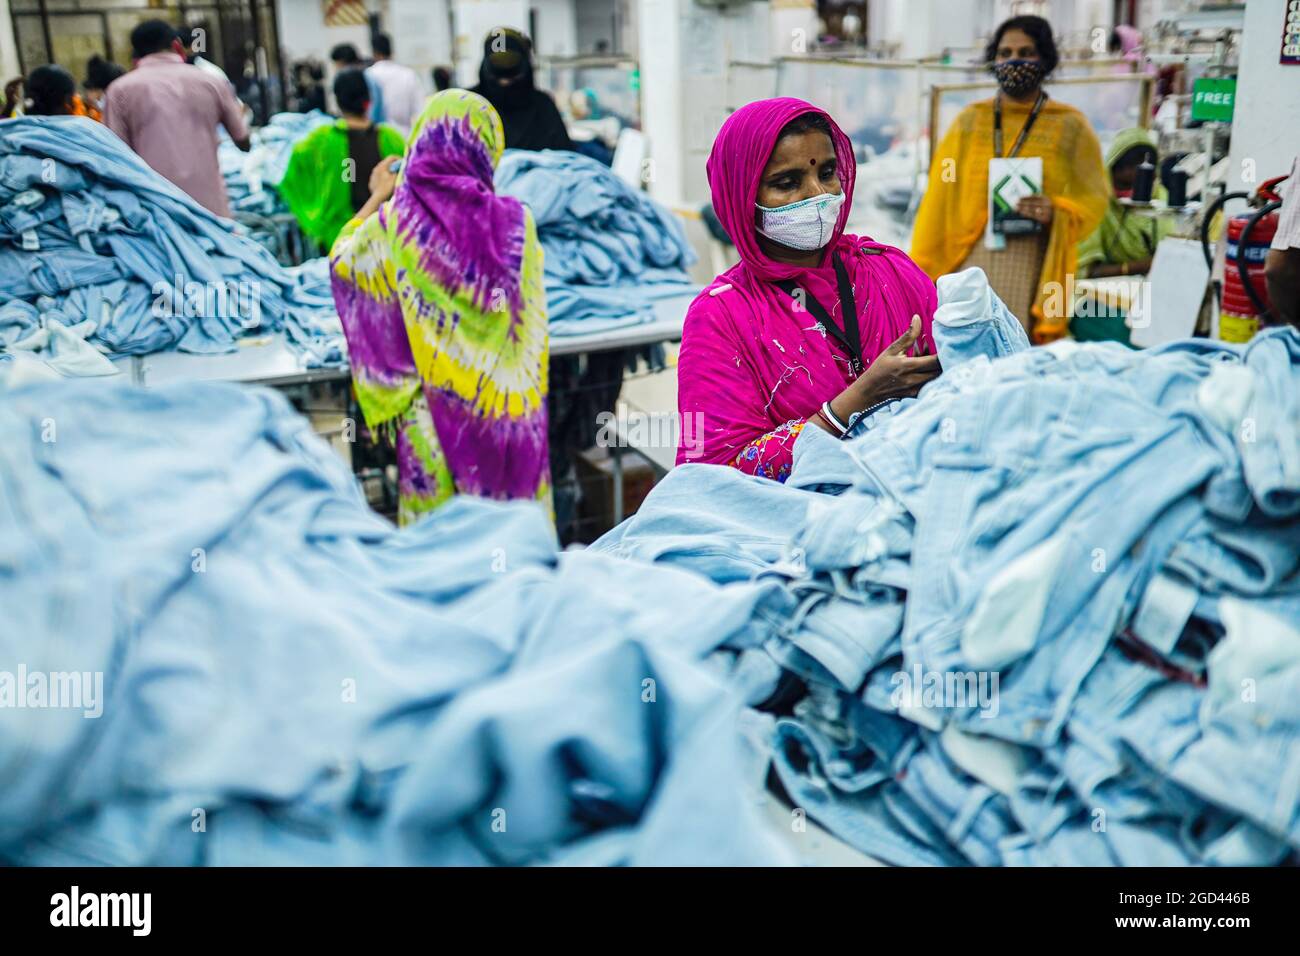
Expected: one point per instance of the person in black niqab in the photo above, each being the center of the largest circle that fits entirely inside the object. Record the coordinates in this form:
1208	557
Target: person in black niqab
529	115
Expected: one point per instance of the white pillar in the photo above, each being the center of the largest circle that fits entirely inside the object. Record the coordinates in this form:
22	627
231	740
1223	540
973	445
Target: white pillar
1266	119
794	27
660	57
9	67
684	51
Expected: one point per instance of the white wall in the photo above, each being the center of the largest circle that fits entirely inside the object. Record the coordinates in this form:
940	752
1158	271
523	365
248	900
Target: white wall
1079	18
1095	13
474	19
1266	121
921	28
421	32
1151	12
303	32
629	26
557	27
596	20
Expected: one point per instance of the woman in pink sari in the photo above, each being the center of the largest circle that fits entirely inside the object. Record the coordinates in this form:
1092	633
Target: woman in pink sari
812	328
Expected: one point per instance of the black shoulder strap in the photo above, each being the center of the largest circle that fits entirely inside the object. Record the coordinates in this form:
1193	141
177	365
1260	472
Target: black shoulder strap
848	336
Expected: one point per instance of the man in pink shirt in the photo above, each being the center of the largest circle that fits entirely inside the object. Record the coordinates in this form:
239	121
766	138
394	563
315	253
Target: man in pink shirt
168	110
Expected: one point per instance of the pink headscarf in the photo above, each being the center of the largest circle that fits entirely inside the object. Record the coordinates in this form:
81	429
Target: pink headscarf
741	150
751	362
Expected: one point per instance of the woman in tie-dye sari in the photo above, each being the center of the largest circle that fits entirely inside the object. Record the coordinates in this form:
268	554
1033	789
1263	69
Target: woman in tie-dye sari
440	291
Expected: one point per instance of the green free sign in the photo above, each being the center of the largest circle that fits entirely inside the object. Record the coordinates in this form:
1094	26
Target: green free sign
1212	99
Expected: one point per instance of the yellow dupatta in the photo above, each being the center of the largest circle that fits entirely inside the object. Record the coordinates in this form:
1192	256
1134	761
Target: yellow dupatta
954	210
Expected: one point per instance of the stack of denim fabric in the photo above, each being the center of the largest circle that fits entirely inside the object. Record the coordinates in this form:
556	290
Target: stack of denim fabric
89	234
266	672
1047	613
611	251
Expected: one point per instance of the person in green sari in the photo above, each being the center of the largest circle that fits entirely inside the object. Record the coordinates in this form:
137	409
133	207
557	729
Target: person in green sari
328	177
1125	241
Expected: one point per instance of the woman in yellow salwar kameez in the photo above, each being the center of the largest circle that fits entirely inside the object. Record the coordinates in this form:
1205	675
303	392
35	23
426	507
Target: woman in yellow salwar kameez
1029	274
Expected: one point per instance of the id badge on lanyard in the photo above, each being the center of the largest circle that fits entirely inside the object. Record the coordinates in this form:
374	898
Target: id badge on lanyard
1011	179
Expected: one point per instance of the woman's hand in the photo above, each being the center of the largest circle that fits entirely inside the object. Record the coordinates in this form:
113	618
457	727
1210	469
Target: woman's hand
894	374
382	180
1037	208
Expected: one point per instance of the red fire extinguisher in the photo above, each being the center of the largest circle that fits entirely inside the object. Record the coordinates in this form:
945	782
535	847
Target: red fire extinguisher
1245	305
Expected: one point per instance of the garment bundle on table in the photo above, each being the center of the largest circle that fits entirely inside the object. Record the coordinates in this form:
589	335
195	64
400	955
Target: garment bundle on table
91	239
251	177
97	249
611	251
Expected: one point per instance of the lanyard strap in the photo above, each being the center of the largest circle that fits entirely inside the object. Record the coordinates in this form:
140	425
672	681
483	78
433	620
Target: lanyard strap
848	336
1024	130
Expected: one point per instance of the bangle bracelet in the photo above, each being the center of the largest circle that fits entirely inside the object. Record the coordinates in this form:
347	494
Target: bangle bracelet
831	419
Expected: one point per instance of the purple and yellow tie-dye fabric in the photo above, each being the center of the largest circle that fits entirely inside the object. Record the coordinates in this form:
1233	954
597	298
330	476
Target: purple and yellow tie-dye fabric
441	297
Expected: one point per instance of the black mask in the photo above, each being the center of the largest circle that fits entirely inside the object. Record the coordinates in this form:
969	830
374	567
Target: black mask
1018	77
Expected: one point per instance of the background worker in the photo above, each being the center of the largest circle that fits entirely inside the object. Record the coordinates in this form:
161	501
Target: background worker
327	180
168	111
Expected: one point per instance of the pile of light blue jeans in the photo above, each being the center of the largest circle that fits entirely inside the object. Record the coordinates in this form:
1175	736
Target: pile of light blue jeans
611	251
224	657
1046	613
90	234
251	177
49	345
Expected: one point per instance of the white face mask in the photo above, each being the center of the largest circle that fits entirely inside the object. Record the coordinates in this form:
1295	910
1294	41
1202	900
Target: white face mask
806	225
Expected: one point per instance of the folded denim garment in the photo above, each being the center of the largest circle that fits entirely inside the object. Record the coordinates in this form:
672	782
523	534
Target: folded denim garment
973	320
